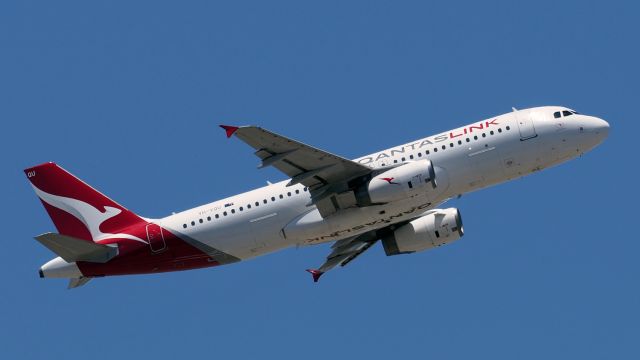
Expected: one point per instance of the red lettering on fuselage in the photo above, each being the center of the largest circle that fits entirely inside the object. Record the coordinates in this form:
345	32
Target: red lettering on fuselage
480	126
492	122
451	135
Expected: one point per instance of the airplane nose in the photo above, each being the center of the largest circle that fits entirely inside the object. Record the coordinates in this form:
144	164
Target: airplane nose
595	130
600	127
598	124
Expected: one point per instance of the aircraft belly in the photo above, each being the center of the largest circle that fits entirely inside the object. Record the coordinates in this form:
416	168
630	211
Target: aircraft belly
251	234
311	228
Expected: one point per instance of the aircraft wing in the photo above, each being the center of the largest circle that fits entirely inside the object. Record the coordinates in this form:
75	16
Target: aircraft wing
344	251
326	175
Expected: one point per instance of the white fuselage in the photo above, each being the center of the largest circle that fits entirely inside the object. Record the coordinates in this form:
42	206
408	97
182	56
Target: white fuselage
466	159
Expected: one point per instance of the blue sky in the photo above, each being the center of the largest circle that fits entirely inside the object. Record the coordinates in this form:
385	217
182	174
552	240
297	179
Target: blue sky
127	95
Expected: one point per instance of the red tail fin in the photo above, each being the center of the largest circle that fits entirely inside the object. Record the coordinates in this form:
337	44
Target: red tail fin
77	209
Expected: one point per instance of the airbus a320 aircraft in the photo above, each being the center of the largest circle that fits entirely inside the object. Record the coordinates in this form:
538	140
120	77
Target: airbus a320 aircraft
393	196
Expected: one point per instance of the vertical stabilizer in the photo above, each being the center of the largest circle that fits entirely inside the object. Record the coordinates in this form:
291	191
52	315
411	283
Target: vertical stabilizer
76	209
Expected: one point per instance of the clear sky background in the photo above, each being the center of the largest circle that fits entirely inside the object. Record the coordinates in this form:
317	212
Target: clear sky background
128	96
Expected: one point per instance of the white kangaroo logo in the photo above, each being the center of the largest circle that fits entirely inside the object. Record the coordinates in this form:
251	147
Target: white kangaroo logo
91	217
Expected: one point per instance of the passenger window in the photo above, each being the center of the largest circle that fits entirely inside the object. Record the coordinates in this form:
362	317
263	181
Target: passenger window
217	216
233	211
508	128
556	114
410	156
403	159
419	154
499	130
264	201
193	223
273	198
468	140
240	208
459	142
184	226
248	206
475	137
297	191
427	152
443	147
484	135
491	132
289	194
208	218
257	203
435	149
224	213
200	221
450	144
281	197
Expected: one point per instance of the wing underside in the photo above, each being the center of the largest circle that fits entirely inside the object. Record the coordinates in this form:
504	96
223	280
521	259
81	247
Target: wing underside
344	251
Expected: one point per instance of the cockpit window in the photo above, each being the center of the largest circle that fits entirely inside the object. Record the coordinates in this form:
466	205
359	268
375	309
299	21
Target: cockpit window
559	114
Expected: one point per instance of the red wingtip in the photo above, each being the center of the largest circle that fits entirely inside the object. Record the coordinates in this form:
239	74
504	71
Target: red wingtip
315	274
229	129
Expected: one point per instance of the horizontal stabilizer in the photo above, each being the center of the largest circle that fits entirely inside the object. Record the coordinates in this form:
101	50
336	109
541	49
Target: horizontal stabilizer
77	282
72	249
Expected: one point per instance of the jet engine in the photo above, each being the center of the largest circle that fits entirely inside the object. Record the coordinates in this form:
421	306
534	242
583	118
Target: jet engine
440	227
407	180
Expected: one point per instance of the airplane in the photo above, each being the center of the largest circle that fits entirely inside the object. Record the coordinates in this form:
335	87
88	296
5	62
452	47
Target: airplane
394	196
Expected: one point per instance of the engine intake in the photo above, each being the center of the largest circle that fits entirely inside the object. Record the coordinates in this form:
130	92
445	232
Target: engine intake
435	229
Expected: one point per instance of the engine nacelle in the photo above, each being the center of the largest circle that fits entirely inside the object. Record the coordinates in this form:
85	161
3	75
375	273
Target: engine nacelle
435	229
401	182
